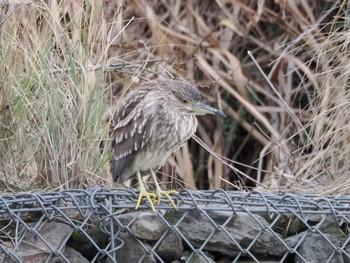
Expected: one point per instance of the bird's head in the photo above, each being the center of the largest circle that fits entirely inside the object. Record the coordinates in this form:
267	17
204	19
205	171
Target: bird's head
186	98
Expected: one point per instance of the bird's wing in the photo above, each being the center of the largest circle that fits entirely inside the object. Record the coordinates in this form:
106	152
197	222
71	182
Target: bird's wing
131	132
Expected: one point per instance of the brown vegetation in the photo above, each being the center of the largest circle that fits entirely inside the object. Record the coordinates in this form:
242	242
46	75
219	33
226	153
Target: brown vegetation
64	64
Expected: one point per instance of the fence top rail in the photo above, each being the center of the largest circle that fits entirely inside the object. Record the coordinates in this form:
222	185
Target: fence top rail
210	200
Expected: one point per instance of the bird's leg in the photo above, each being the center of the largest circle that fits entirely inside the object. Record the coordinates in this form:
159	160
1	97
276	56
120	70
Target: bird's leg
143	193
160	192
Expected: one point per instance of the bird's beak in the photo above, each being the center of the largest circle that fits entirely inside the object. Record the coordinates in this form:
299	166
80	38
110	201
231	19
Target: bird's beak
201	109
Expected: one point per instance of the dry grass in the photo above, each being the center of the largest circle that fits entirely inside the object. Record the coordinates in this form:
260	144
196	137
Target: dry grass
66	64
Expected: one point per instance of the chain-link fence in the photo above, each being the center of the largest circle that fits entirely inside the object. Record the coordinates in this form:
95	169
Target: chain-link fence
101	225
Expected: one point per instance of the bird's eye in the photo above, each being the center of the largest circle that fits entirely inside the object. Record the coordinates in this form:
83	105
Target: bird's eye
184	101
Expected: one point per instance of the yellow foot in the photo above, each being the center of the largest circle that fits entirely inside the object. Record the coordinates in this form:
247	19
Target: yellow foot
149	196
167	194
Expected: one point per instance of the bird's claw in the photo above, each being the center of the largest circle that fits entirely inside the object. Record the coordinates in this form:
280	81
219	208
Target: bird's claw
167	195
152	199
155	198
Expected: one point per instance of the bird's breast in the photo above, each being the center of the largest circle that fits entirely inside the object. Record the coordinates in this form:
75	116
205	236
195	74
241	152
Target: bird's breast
166	138
175	132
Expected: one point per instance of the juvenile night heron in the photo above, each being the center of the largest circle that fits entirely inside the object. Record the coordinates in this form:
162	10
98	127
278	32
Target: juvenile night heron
153	121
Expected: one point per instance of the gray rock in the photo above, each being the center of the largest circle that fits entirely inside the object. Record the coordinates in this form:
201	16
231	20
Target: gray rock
132	251
294	225
74	256
326	223
171	247
84	246
243	228
345	257
188	256
191	257
33	250
293	240
330	226
290	224
148	226
315	248
197	258
125	219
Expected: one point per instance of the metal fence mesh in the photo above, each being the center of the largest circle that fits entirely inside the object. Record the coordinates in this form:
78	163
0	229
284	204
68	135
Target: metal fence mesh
101	225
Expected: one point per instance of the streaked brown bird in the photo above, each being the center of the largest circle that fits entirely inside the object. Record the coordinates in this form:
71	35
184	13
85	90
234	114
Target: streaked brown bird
153	121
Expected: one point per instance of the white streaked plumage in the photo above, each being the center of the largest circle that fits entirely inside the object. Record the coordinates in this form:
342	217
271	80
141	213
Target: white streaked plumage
153	122
141	138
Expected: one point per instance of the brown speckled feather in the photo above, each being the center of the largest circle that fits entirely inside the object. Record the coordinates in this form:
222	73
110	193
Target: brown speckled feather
154	120
131	131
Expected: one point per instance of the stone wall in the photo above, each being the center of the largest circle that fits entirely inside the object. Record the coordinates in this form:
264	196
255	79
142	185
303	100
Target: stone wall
102	228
